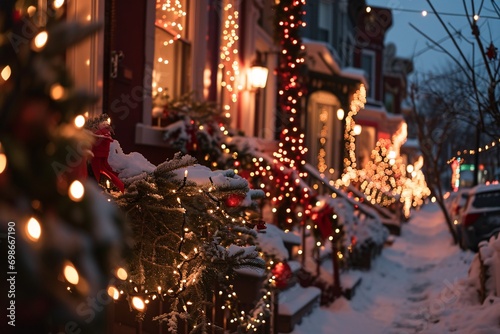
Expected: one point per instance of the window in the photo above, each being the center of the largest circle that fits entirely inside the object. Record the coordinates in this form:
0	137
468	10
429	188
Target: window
325	23
389	102
368	65
171	51
85	59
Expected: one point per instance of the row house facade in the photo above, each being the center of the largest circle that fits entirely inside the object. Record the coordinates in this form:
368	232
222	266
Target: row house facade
148	49
207	48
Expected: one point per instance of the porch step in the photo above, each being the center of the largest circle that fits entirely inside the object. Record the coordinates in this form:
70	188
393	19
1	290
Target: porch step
293	304
350	281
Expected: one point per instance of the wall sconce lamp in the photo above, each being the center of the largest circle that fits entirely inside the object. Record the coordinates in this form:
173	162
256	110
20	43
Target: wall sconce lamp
258	74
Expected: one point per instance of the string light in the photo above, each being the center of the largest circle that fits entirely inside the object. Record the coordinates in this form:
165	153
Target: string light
3	160
486	147
39	41
79	121
138	303
33	229
76	191
5	73
424	13
70	273
229	64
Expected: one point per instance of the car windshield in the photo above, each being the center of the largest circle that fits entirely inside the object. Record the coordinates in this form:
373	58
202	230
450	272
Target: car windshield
487	199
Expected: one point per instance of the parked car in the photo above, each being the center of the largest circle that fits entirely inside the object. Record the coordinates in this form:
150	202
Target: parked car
480	217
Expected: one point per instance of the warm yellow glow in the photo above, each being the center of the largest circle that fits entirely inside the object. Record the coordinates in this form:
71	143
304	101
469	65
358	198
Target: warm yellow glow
57	92
3	160
76	191
79	121
40	40
33	229
357	129
138	304
6	72
70	273
368	9
340	114
58	4
476	17
258	76
31	10
121	274
113	292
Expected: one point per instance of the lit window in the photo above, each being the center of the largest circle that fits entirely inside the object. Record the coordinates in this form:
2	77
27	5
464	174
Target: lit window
171	51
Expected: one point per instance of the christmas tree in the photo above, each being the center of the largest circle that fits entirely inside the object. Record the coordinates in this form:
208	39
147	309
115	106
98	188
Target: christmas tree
64	238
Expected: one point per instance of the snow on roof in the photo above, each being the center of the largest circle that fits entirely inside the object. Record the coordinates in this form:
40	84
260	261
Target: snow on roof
328	57
355	73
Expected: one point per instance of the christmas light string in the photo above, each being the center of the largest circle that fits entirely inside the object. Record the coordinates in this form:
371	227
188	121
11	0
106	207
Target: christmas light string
229	50
484	148
425	13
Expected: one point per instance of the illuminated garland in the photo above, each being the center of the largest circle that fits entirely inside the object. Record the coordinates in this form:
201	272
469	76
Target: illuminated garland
289	157
357	103
424	13
171	24
461	154
229	56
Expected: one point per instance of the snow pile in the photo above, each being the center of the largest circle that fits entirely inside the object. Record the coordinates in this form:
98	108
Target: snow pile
357	225
271	242
128	165
489	259
421	284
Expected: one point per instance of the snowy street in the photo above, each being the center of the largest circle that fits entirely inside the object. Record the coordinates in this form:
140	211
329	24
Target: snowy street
418	285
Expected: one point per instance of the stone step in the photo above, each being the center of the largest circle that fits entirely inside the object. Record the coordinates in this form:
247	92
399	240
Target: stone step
293	304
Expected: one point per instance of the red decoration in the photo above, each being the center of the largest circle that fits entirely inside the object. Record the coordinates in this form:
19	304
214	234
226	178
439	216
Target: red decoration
323	219
234	200
354	240
99	162
261	226
282	274
491	51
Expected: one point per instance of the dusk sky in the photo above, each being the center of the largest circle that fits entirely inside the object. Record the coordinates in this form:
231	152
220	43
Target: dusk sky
410	43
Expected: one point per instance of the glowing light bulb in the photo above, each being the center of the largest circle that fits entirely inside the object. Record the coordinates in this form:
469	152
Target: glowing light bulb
33	229
121	274
57	92
113	292
6	72
138	303
3	160
424	13
71	274
79	121
76	191
40	40
58	4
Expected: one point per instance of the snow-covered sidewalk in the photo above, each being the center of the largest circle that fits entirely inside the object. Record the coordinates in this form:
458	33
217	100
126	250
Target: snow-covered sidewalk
418	285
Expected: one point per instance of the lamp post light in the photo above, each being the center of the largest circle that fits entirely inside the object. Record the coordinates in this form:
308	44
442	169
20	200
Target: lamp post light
258	75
